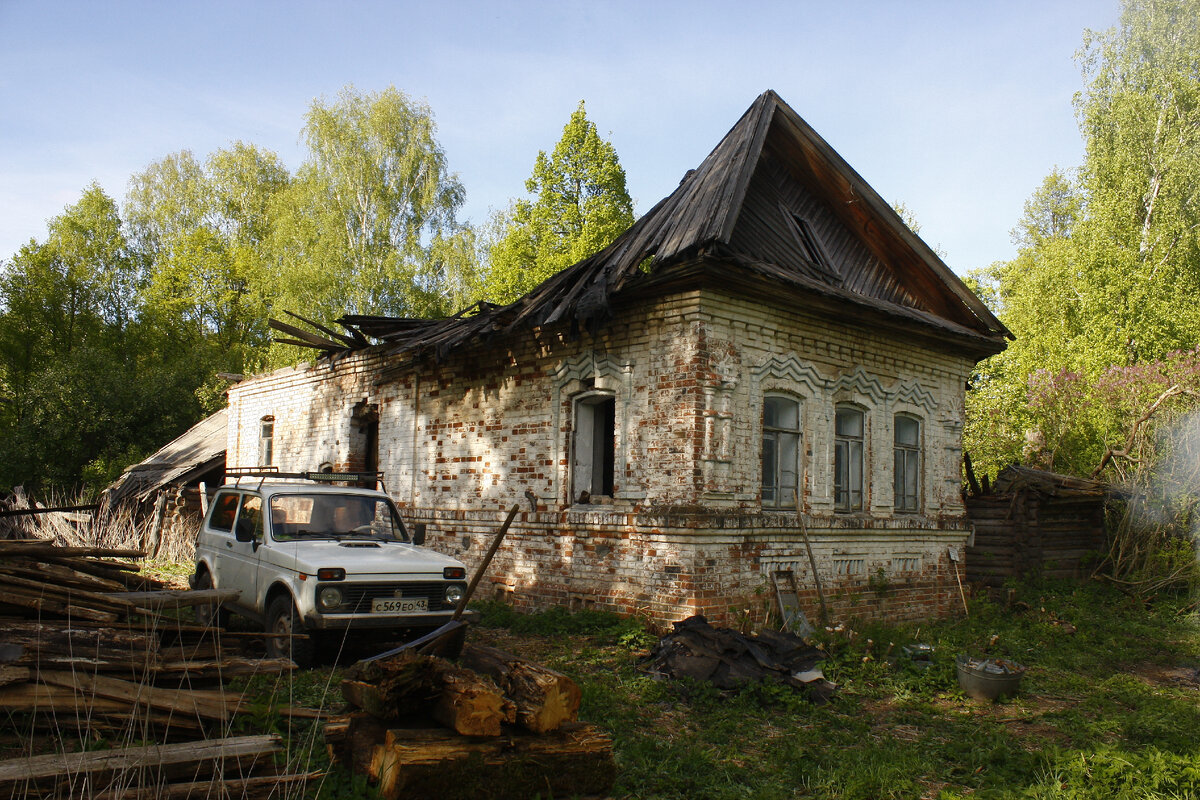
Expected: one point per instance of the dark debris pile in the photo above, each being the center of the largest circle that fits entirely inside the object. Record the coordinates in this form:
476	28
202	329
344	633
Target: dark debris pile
731	660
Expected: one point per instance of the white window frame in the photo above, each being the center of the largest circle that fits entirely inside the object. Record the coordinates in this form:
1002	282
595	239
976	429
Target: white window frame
781	454
907	463
266	441
849	462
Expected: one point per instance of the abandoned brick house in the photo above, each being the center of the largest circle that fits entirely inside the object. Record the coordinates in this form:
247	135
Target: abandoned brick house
768	354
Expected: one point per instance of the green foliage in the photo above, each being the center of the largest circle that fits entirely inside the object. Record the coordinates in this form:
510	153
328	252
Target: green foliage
580	204
112	330
1108	272
629	631
86	384
368	225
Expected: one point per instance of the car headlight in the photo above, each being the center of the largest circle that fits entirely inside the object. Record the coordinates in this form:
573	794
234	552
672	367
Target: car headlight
329	598
454	593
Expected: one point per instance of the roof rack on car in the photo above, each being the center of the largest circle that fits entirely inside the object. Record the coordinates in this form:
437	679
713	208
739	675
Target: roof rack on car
372	479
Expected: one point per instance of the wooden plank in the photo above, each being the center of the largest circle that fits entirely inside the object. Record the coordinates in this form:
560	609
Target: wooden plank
219	786
61	574
34	602
47	549
149	758
177	598
191	704
69	594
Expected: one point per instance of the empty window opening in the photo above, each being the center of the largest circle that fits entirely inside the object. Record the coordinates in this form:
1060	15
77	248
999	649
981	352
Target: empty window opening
811	245
907	476
780	452
595	437
365	452
848	460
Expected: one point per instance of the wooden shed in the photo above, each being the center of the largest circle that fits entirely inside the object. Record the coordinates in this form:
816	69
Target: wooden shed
1033	522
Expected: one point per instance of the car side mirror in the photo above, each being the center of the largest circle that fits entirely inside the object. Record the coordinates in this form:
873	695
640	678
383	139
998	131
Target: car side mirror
244	531
418	533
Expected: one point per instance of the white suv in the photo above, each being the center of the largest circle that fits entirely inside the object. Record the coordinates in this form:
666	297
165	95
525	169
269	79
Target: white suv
318	559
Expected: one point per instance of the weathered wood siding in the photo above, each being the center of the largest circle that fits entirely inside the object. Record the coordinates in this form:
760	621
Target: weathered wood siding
1027	533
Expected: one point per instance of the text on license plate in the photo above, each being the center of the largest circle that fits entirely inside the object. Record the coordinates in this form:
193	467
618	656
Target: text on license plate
399	605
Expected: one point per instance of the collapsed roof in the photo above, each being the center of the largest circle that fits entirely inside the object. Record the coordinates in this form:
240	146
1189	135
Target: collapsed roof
772	202
197	451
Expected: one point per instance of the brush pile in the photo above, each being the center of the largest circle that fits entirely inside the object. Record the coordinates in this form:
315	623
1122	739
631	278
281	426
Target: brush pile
91	650
508	728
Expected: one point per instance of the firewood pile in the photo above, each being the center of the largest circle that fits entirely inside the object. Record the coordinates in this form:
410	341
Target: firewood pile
729	660
509	728
91	650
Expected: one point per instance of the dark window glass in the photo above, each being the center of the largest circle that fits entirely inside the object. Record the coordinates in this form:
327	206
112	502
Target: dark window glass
907	478
848	460
224	511
780	452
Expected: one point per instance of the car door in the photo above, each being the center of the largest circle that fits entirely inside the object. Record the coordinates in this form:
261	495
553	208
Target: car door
235	557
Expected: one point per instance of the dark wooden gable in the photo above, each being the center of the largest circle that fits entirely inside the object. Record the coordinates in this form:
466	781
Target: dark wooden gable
806	210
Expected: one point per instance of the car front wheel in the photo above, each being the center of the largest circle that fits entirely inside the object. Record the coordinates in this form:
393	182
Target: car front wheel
288	638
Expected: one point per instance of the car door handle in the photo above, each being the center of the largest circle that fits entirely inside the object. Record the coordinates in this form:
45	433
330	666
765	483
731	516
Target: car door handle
229	545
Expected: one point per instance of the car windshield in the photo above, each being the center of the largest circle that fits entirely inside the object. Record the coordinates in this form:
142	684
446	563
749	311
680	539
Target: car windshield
334	516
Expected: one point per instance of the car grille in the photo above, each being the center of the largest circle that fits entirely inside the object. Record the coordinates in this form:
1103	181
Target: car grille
358	596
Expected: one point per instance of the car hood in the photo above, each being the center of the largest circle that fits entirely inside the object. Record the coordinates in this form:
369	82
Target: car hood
359	557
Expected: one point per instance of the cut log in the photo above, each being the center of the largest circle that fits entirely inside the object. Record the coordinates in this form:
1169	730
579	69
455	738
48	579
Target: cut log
471	704
544	698
572	761
390	688
411	684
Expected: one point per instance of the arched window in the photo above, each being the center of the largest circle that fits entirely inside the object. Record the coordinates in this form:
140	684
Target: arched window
780	452
849	435
907	477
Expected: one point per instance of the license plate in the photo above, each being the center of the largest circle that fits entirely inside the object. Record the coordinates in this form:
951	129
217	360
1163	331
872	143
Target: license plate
399	605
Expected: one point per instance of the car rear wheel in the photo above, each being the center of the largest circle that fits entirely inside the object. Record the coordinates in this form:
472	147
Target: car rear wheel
288	639
211	614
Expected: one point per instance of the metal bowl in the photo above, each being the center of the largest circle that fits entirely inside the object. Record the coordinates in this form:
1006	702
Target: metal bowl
988	679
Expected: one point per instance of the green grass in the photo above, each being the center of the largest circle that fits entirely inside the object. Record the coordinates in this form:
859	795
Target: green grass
1098	715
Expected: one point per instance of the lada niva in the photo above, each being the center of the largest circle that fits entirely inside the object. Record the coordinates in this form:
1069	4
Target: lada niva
315	561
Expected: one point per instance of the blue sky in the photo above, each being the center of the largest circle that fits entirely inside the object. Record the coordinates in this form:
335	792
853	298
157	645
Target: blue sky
957	109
